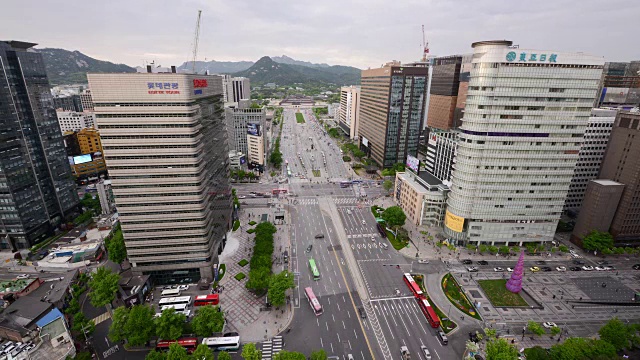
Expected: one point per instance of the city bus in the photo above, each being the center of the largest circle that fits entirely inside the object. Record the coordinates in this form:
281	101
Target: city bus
170	293
314	269
428	312
313	301
175	301
413	285
202	300
226	343
189	343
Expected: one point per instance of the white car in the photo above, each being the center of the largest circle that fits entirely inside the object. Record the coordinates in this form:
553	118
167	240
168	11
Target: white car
373	238
561	268
587	268
425	352
498	269
22	276
510	269
241	197
364	222
183	287
601	268
423	261
472	269
549	324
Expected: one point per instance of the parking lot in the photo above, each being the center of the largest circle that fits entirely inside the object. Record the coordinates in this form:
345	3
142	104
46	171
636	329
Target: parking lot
191	290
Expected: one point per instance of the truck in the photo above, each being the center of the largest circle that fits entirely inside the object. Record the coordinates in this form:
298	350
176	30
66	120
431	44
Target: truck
404	352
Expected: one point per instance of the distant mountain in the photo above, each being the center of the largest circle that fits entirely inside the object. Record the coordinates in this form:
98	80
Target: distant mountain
284	59
216	67
71	67
266	70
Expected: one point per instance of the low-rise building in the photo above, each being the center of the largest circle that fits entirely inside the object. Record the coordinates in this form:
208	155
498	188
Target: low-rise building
422	197
18	320
133	289
75	121
56	290
19	287
56	342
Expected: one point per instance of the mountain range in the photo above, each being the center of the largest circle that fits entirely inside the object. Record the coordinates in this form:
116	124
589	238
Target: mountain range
70	67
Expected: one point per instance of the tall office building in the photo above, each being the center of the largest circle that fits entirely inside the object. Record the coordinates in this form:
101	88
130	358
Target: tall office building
349	110
620	86
165	146
445	83
238	88
68	103
392	106
36	189
86	100
594	144
622	164
246	128
525	116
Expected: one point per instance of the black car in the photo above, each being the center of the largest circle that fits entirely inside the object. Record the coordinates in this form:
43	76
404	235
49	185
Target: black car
578	262
545	268
603	262
320	236
575	268
309	248
467	262
363	314
636	267
541	262
483	262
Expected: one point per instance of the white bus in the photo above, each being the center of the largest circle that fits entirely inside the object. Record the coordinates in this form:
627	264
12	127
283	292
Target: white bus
175	301
227	343
180	309
170	293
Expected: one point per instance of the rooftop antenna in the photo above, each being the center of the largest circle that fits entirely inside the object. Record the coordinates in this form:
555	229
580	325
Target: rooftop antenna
425	46
196	38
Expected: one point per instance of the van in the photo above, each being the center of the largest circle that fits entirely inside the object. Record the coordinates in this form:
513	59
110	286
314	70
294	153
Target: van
385	246
443	338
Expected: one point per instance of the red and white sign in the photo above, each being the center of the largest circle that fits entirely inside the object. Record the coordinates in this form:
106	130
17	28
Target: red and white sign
200	83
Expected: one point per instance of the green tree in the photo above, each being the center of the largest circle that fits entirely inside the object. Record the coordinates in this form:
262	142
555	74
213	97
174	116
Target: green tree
387	185
116	248
536	353
597	241
493	249
177	352
289	355
319	355
170	324
616	333
504	249
470	247
223	355
83	355
490	333
203	352
155	355
83	325
555	330
394	216
500	349
535	328
276	158
139	326
249	352
103	285
278	286
358	154
581	348
483	248
74	306
118	324
563	248
207	320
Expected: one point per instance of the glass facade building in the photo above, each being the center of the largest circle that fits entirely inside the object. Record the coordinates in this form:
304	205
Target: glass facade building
37	191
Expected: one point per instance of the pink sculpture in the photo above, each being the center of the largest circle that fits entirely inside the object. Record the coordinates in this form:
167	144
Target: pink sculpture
515	283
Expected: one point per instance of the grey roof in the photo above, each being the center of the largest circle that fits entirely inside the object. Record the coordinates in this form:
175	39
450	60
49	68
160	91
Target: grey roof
26	310
429	179
54	290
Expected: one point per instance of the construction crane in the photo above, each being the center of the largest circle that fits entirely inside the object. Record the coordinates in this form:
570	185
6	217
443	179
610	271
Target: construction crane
425	46
196	39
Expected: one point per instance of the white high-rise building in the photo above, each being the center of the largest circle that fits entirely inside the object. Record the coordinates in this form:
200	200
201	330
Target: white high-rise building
525	116
237	88
594	145
165	147
349	110
75	121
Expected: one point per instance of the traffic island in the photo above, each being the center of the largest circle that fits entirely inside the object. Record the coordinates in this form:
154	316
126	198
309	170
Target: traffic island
498	294
456	296
445	323
300	118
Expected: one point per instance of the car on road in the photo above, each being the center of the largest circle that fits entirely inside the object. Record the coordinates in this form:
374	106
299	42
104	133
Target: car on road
349	212
425	352
587	268
472	269
467	262
603	262
578	262
574	268
362	312
541	262
601	268
510	269
561	268
364	222
241	197
498	269
373	238
534	269
385	246
483	262
309	248
350	357
549	324
320	236
443	338
546	268
183	287
636	267
610	267
421	261
22	276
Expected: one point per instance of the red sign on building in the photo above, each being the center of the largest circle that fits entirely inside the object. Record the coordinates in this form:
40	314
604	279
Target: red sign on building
200	83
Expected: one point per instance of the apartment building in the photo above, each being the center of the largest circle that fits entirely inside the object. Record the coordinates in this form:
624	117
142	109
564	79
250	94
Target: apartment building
246	133
349	110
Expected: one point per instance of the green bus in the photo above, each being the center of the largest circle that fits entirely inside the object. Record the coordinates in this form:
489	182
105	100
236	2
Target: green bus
314	269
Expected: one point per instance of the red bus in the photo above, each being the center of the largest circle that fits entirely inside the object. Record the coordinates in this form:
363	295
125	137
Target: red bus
202	300
278	191
413	286
188	343
315	304
429	313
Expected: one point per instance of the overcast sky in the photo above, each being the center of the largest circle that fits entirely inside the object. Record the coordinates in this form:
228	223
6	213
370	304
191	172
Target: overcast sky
361	33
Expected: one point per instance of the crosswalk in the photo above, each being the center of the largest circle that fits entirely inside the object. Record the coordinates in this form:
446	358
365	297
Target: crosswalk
335	199
100	318
272	347
366	236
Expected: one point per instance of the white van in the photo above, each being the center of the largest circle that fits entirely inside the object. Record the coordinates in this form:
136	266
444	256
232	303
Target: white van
349	212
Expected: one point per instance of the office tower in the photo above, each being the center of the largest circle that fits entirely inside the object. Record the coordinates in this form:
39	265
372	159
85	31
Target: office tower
601	200
165	146
622	164
620	87
392	106
441	150
105	194
523	123
594	144
75	121
246	129
37	192
68	103
86	100
421	196
238	88
349	110
444	91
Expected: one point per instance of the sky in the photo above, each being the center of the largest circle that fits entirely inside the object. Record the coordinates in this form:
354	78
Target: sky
360	33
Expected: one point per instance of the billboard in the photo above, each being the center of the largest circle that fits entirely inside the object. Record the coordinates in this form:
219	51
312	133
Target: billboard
365	141
453	222
413	163
253	129
82	159
243	160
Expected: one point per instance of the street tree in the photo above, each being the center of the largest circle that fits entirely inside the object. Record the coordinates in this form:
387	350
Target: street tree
504	250
278	286
207	320
535	328
116	248
500	349
103	285
472	346
581	348
203	352
177	352
394	216
493	249
537	353
289	355
482	248
616	333
249	352
169	325
118	323
597	241
83	325
139	326
490	333
387	185
319	355
156	355
223	355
